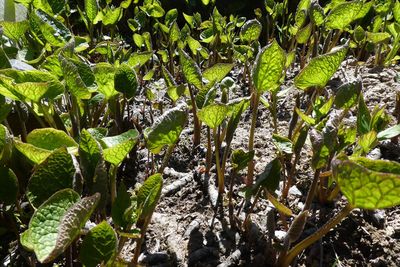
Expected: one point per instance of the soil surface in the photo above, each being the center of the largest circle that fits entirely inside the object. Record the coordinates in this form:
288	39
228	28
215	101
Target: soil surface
185	231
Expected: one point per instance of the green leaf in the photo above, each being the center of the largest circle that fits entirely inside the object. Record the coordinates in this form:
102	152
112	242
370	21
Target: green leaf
347	94
270	177
213	115
217	72
368	188
34	154
320	69
8	186
14	30
90	153
111	15
91	9
174	33
42	234
190	69
50	139
4	61
139	59
53	31
396	11
240	159
345	13
166	129
307	119
368	141
118	147
6	144
317	15
121	206
269	67
125	80
250	31
149	194
77	77
104	73
363	117
378	37
194	45
283	144
153	10
56	173
304	34
389	133
99	245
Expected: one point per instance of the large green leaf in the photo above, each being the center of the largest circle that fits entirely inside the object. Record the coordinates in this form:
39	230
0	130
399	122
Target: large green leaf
190	70
14	30
396	11
345	13
53	31
32	85
269	68
99	245
347	94
111	15
55	173
213	115
34	154
368	184
121	210
125	80
50	139
77	76
91	9
148	194
217	72
118	147
8	186
57	223
104	73
166	129
139	59
320	69
250	31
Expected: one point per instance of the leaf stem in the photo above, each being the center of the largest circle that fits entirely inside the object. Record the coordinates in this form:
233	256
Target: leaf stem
220	175
166	158
250	170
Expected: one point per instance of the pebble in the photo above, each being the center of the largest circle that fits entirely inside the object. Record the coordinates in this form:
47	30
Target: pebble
375	154
280	235
379	218
295	191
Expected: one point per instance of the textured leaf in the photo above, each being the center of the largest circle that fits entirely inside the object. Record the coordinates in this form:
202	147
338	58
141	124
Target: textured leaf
269	67
90	153
125	80
122	211
345	13
378	37
347	94
270	177
50	139
111	15
104	73
320	69
317	13
118	147
99	245
166	129
14	30
396	11
34	154
213	115
148	194
139	59
42	234
190	69
283	144
91	9
6	144
250	31
56	173
217	72
53	31
368	188
303	34
8	186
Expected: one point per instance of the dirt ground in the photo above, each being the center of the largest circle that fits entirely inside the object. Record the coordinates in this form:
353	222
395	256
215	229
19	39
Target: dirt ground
185	232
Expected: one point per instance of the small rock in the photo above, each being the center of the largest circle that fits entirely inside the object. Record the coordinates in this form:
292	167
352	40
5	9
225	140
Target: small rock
280	235
193	226
300	205
375	154
295	191
379	218
378	262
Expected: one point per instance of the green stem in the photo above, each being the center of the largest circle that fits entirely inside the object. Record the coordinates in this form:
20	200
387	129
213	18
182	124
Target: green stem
113	182
166	158
317	235
209	151
220	175
250	166
196	129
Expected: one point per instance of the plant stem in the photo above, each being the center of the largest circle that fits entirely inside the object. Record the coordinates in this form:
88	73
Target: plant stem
196	129
140	240
113	182
166	158
311	191
209	151
220	175
256	98
317	235
231	218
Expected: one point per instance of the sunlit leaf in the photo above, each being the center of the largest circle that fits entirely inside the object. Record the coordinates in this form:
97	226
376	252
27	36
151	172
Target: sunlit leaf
217	72
148	194
125	80
250	31
190	69
213	115
345	13
50	139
